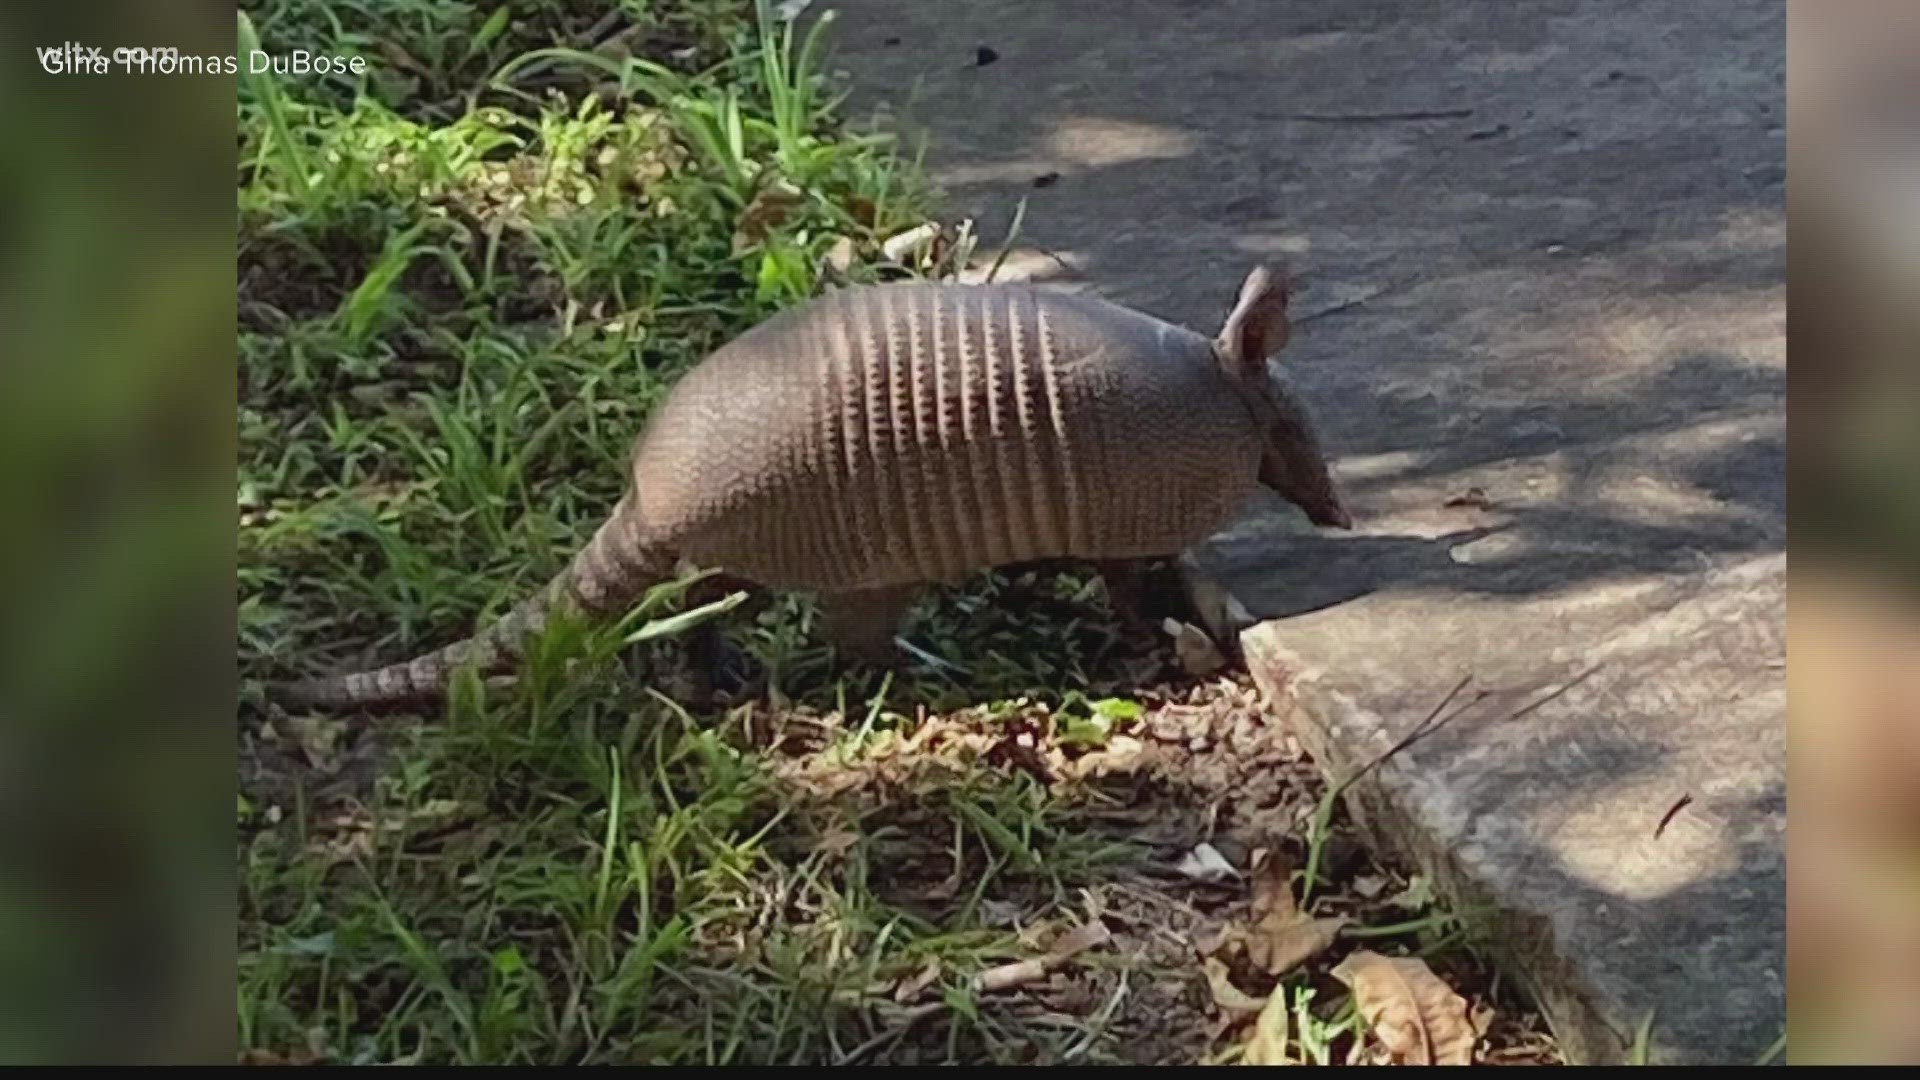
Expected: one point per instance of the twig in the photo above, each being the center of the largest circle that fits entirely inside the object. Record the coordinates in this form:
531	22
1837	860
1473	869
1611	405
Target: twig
1323	814
1055	256
1420	731
1020	972
600	29
1672	812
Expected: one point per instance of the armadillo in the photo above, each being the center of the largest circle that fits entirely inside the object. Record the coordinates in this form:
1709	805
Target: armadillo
884	438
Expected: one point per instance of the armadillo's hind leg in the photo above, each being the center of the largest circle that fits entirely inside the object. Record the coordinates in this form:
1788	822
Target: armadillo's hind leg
703	664
861	625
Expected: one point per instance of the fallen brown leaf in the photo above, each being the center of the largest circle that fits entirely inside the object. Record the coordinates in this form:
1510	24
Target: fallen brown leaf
1212	938
1416	896
1283	937
1229	997
1079	940
1415	1016
1267	1044
1273	891
319	739
1482	1018
1280	950
947	887
913	985
837	841
770	208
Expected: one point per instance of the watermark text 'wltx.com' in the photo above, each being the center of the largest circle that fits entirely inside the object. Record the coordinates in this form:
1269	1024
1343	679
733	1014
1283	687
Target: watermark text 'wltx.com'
74	58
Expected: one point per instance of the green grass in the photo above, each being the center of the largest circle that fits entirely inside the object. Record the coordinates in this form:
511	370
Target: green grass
465	281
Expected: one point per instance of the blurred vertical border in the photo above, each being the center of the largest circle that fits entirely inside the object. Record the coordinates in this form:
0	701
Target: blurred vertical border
116	542
1853	965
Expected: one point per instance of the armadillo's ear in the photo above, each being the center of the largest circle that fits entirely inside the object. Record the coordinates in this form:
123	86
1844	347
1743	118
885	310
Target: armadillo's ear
1257	327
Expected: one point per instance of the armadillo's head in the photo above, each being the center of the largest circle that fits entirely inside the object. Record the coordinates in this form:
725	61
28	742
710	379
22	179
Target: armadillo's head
1291	462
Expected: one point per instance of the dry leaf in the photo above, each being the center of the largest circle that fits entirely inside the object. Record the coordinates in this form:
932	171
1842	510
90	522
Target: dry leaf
1273	891
400	58
1418	1018
1079	940
1368	886
1417	896
1065	947
1205	863
1197	652
319	739
770	209
946	888
997	913
1229	997
1283	937
1279	950
912	986
1214	938
1267	1045
1482	1018
837	841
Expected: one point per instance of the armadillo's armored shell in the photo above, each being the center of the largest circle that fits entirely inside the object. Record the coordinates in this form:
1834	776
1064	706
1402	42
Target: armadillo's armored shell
916	433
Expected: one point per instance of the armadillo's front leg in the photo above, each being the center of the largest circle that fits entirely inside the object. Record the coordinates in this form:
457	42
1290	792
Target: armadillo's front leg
862	624
1141	592
1125	582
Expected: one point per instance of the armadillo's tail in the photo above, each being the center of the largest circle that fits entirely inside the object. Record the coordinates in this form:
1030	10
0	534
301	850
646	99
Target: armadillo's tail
614	569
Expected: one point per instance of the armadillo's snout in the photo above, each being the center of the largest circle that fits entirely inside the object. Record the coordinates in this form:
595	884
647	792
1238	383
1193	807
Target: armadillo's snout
1300	476
1328	514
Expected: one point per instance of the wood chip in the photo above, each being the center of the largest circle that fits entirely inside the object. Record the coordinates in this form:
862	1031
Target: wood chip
1197	653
